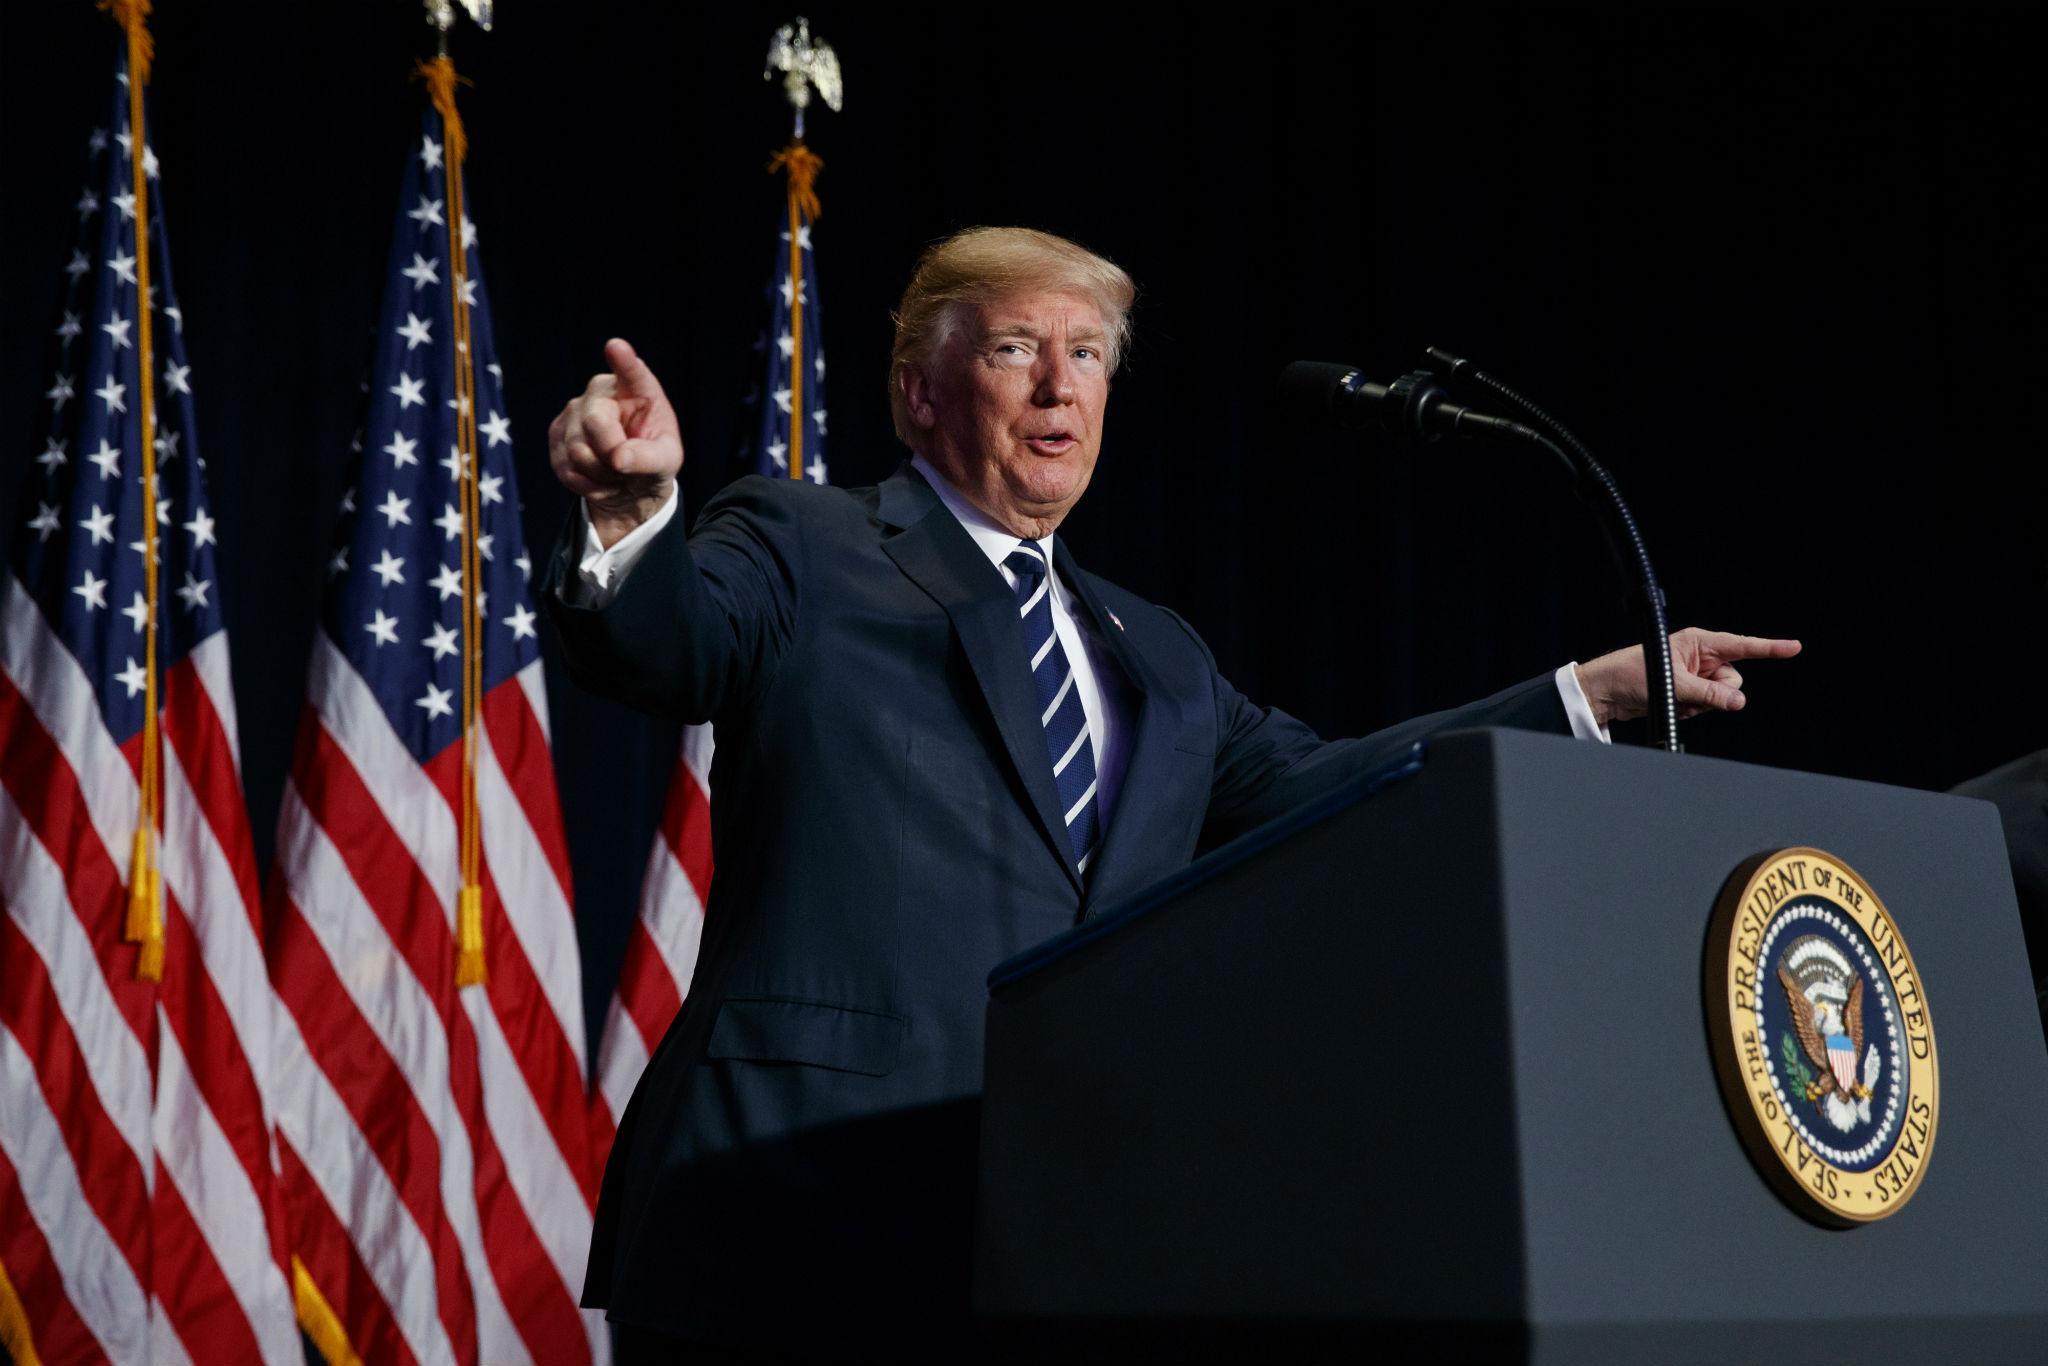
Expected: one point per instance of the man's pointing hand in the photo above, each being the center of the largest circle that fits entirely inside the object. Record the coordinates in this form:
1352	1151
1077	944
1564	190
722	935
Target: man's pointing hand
617	445
1704	676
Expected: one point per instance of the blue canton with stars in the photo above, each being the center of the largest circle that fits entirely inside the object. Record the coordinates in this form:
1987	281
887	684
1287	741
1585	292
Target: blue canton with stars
394	604
81	554
769	427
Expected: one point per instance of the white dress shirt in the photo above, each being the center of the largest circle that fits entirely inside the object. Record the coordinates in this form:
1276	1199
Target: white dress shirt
601	570
1105	698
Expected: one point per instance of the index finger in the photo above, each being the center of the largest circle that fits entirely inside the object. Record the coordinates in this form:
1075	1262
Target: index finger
1731	646
635	379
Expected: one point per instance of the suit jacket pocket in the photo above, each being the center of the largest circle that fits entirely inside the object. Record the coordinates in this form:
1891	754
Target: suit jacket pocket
774	1029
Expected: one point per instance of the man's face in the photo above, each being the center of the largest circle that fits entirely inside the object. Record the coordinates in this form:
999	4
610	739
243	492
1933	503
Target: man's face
1012	407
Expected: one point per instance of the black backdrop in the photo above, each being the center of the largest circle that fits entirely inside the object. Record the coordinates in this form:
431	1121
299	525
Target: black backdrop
1780	271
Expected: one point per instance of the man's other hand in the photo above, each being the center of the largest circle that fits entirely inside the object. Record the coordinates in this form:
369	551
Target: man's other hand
617	445
1703	674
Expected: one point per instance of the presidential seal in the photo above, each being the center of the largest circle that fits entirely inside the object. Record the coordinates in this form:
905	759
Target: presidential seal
1821	1036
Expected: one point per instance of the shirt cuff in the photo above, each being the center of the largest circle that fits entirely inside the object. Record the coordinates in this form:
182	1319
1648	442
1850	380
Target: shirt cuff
601	571
1577	709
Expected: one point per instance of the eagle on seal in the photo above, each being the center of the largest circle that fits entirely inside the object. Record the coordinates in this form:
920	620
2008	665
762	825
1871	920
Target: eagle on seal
1826	999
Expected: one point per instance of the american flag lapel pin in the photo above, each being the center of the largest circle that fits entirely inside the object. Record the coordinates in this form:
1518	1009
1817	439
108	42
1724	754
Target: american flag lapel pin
1115	618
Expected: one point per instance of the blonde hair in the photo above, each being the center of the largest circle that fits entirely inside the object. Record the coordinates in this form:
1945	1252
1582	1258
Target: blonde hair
978	265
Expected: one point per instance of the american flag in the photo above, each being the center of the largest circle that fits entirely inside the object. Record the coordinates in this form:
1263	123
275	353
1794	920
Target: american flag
138	1211
436	1139
661	949
790	417
786	413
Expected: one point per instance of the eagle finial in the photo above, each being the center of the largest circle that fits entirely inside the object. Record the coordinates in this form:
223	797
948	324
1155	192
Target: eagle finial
806	64
441	14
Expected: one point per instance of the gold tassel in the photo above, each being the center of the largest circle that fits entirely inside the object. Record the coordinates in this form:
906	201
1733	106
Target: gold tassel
803	166
141	890
469	937
149	966
133	15
441	80
145	924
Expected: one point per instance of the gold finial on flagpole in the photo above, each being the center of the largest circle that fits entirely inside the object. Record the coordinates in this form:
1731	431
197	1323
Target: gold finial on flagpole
441	14
805	64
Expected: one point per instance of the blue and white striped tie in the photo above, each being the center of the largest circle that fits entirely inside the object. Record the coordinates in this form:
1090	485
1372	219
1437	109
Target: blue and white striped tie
1059	703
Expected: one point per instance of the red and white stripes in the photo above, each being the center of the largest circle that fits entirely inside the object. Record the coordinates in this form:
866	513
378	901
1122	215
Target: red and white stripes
138	1217
661	950
435	1158
435	1142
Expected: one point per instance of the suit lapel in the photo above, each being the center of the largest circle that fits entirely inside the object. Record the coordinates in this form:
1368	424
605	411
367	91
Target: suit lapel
1120	868
936	553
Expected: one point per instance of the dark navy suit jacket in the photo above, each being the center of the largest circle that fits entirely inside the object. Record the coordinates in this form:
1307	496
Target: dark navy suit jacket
797	1162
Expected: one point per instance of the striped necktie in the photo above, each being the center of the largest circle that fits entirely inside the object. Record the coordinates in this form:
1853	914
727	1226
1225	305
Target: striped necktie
1059	703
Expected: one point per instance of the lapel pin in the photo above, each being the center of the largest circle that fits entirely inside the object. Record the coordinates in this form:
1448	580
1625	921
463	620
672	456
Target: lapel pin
1115	618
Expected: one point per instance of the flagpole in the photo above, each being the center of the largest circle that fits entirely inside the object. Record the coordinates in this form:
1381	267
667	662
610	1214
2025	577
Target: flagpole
805	64
441	80
437	392
796	307
145	921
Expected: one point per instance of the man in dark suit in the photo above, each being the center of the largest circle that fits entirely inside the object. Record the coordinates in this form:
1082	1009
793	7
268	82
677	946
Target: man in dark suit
939	742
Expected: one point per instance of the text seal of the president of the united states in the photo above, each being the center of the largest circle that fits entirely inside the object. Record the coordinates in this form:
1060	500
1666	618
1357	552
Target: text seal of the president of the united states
1821	1036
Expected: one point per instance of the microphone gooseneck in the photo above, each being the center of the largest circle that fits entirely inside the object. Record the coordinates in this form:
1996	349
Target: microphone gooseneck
1416	406
1624	536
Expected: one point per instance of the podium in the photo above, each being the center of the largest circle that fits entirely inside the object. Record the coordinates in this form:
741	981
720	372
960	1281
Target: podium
1424	1069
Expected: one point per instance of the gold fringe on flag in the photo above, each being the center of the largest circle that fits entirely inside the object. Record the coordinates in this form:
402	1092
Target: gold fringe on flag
802	166
318	1319
145	920
469	903
14	1330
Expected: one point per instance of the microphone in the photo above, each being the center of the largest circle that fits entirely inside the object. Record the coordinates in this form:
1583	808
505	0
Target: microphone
1597	486
1413	405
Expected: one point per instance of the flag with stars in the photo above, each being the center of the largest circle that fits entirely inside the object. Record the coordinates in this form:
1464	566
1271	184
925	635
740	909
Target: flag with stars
434	1137
789	407
138	1211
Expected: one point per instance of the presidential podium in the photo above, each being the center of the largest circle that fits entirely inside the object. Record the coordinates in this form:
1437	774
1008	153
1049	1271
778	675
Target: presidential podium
1424	1072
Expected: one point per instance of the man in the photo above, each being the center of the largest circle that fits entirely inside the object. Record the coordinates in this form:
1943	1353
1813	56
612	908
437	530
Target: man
939	742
